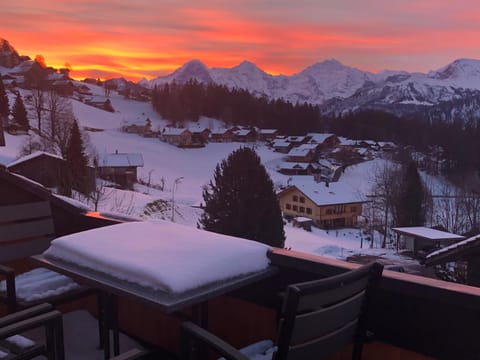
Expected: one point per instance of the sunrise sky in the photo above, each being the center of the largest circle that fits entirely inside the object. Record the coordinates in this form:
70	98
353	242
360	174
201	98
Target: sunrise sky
148	38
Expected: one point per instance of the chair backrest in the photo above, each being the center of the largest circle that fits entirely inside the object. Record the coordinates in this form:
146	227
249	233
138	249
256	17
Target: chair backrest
25	229
321	317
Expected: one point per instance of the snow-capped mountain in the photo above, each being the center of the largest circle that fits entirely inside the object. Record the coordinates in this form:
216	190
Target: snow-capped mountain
193	69
315	84
454	85
338	88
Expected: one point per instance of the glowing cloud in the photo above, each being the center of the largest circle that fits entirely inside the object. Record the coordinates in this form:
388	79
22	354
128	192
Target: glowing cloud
146	39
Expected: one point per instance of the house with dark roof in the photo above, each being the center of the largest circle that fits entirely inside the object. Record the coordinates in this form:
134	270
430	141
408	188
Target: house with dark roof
326	206
120	168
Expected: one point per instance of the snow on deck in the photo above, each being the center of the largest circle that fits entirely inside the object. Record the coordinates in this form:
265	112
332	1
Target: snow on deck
161	255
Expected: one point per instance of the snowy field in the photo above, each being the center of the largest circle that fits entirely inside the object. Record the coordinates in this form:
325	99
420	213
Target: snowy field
165	163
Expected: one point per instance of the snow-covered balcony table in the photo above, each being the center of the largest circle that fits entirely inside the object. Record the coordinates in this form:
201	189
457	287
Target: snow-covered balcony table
163	264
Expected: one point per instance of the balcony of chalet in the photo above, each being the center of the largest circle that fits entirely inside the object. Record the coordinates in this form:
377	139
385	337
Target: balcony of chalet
413	317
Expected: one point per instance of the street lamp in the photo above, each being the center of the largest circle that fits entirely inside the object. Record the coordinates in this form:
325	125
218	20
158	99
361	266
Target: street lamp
175	184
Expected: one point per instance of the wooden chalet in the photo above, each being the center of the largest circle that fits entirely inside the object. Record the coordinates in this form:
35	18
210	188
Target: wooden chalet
42	167
421	240
221	135
200	135
120	168
177	136
303	153
324	140
282	146
245	135
292	168
322	204
267	134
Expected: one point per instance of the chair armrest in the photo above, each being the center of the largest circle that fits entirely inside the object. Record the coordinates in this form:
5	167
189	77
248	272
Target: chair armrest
11	295
132	354
190	330
30	323
24	314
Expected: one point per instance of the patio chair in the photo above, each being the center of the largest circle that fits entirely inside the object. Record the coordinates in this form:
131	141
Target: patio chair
27	229
318	318
14	346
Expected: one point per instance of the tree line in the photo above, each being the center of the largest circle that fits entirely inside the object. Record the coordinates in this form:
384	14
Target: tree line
459	140
190	101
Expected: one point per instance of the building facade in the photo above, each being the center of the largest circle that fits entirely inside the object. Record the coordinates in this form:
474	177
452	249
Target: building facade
328	214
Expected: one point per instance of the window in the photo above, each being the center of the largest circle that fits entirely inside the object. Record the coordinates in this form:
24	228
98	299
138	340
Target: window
353	209
288	206
302	199
329	211
295	208
339	209
302	209
295	198
309	211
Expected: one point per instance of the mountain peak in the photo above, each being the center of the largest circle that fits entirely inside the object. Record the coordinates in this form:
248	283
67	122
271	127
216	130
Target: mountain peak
247	66
460	69
8	55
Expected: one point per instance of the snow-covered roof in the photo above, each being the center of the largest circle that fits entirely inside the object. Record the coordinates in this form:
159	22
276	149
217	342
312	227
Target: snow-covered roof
346	142
161	255
281	143
32	156
295	138
173	131
243	132
120	160
427	233
318	138
294	166
467	243
326	163
268	131
327	195
302	150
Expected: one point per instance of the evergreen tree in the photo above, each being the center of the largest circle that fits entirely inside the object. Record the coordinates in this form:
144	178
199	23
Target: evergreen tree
20	113
409	207
241	200
4	108
76	160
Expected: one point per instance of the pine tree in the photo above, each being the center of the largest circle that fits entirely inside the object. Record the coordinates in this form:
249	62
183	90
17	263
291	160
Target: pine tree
241	200
4	108
409	207
20	114
76	160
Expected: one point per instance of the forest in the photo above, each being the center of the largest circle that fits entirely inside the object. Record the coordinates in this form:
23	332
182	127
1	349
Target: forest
190	101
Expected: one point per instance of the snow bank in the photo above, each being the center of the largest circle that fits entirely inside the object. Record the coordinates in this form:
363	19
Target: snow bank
40	284
161	255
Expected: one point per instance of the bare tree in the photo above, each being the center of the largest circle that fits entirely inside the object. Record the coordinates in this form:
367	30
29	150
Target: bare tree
38	99
449	209
383	196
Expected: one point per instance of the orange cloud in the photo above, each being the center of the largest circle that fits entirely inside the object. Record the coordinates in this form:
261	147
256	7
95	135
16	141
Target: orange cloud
147	39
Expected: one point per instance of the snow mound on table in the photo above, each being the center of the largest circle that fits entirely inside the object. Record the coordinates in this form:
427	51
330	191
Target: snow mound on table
161	255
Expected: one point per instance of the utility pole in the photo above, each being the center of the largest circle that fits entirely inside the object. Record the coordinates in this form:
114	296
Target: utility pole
175	184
